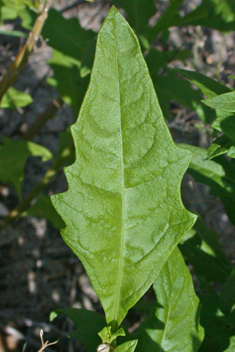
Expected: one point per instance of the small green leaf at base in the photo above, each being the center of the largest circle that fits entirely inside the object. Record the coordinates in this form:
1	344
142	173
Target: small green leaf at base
127	346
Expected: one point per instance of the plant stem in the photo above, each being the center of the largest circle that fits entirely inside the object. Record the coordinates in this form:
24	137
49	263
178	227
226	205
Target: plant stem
22	58
49	113
25	203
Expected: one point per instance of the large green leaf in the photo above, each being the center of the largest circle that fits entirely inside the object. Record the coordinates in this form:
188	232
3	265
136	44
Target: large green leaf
123	209
219	175
13	156
173	326
139	12
87	323
14	98
200	248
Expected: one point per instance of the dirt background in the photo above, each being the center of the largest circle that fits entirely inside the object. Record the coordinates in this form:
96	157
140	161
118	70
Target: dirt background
38	272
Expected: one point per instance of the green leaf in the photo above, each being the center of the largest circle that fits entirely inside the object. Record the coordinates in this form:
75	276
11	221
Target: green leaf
218	330
128	346
224	102
67	80
107	336
207	85
219	176
202	250
216	14
171	88
231	347
10	11
66	35
13	33
14	98
139	12
225	121
124	156
28	18
43	208
220	146
72	57
13	155
225	108
87	323
227	297
157	60
174	324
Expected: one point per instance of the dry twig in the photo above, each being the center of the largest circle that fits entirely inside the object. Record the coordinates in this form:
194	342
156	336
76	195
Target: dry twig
22	58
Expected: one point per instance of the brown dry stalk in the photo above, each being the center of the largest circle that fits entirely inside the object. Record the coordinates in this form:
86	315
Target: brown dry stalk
22	58
41	119
45	344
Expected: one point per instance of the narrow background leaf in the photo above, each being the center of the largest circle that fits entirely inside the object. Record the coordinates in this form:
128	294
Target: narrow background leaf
174	324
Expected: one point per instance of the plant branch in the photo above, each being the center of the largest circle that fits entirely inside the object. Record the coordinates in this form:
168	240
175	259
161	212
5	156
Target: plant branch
22	58
41	119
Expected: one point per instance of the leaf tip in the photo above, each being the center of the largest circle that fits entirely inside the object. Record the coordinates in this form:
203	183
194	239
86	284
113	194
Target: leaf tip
53	315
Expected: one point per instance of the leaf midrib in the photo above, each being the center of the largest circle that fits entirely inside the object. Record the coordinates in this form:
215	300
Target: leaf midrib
120	270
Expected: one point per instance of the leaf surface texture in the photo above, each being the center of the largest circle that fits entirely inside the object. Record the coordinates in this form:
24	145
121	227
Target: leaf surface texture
123	211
